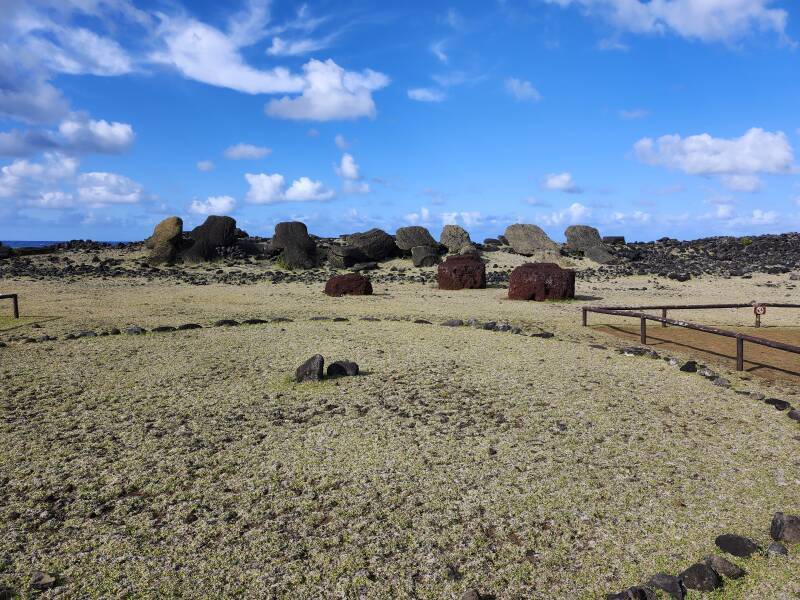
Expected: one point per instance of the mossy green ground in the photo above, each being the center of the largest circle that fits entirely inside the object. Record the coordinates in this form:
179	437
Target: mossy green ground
189	465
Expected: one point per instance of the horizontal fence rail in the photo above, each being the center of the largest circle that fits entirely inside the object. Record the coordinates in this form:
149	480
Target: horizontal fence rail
15	300
741	338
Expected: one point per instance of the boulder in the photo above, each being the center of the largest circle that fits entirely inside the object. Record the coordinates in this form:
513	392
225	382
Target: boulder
407	238
213	233
724	567
737	545
165	243
461	272
541	281
614	240
587	240
344	257
785	528
351	284
342	368
311	370
669	584
298	250
374	244
454	238
701	577
470	250
528	240
424	256
633	593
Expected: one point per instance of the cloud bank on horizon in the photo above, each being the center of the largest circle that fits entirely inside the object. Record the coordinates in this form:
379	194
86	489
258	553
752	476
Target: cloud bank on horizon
643	118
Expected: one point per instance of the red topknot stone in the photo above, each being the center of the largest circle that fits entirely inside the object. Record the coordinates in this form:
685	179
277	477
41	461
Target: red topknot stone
351	284
462	272
541	281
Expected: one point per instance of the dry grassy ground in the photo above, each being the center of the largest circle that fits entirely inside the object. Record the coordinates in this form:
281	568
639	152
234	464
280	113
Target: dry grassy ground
188	464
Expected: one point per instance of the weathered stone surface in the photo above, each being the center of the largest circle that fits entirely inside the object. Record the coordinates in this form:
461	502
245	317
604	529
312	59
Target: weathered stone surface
298	250
529	239
407	238
541	281
342	368
214	232
461	272
470	250
669	584
725	567
613	239
778	403
599	255
777	549
454	238
344	257
701	577
165	242
424	256
351	284
794	414
785	528
311	370
736	544
374	244
582	237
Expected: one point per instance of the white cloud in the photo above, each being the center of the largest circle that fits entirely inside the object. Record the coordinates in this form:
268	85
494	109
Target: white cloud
347	169
561	182
741	183
341	143
466	218
423	217
522	90
246	152
757	151
355	187
426	95
100	188
437	49
329	92
574	213
756	218
706	20
636	113
24	180
298	47
78	51
638	217
270	189
214	205
306	190
205	165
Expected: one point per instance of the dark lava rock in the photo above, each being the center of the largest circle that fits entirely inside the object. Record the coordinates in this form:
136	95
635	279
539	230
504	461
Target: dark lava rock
422	322
587	240
165	242
188	326
374	244
344	257
541	281
785	528
461	272
701	577
407	238
351	284
669	584
614	239
778	404
736	544
543	334
365	266
298	250
725	567
777	549
690	366
424	256
342	368
633	593
5	251
163	329
794	414
453	323
311	370
254	322
134	330
226	323
213	233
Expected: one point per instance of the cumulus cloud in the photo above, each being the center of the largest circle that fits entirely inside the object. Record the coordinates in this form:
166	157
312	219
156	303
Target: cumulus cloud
99	189
742	183
522	90
246	152
426	95
77	134
214	205
561	182
706	20
205	165
573	214
349	170
271	189
23	179
738	160
329	92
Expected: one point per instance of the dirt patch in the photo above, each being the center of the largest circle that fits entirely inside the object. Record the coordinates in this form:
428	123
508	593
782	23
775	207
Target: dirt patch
759	360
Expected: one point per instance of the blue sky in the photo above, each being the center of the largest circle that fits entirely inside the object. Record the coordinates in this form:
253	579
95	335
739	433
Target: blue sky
667	117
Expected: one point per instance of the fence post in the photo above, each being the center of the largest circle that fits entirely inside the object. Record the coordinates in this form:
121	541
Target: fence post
739	353
16	306
643	331
585	312
663	316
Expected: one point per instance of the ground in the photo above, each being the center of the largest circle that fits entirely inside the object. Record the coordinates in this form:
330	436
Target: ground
188	464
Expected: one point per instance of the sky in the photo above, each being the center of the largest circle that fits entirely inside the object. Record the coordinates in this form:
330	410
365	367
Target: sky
642	118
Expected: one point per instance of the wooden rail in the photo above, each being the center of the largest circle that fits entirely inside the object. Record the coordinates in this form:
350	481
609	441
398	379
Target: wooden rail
741	338
15	300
